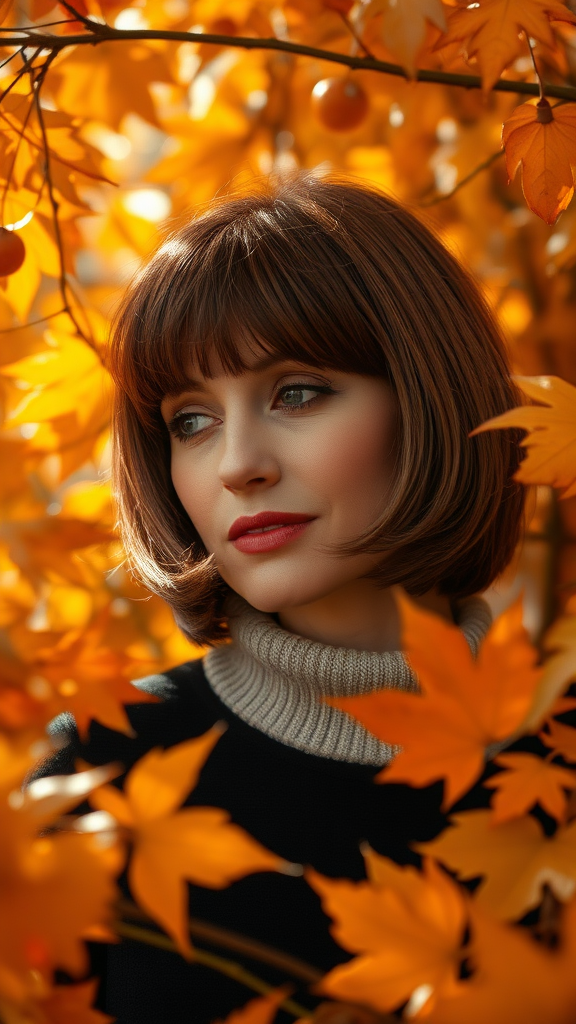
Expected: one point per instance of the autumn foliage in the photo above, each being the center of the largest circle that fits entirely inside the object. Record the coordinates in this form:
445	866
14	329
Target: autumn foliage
468	113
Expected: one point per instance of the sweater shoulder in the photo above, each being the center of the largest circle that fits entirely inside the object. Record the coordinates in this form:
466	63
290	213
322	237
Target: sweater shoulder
185	707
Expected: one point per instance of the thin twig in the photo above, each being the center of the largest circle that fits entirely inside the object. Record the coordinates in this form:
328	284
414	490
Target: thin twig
77	16
356	35
464	181
32	323
54	205
217	963
238	944
106	34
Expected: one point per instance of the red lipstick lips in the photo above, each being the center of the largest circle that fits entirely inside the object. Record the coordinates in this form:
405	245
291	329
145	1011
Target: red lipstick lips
267	530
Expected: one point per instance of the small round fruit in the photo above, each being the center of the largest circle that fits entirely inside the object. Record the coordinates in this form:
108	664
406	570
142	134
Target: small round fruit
12	252
223	27
340	103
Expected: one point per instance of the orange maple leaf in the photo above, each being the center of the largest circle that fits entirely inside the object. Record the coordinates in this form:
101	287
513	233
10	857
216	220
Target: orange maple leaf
170	847
551	426
72	1004
562	739
261	1010
515	859
494	31
529	780
542	141
464	706
408	933
90	680
516	980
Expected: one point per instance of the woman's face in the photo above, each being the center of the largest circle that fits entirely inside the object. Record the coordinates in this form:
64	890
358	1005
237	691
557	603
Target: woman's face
276	467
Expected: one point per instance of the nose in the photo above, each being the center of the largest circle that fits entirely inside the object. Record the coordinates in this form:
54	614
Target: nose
248	461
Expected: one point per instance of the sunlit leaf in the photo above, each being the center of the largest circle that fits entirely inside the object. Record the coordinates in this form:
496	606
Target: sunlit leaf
405	937
493	30
551	437
542	141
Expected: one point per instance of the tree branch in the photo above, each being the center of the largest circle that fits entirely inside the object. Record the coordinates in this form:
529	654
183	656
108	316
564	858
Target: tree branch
106	34
217	963
238	944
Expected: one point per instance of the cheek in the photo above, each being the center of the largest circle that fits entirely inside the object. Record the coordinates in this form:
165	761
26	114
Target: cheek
352	460
195	489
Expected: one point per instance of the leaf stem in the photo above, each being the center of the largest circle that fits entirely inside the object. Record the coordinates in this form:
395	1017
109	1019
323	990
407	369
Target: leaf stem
535	66
106	34
217	963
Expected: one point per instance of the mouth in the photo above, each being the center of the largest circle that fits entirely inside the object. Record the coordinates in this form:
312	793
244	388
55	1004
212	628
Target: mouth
264	522
267	530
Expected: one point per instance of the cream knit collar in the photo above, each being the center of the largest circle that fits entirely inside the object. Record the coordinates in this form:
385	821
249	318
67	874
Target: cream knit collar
274	681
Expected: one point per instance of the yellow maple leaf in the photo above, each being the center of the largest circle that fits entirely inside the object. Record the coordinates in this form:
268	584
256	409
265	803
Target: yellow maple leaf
92	82
406	936
66	377
542	141
529	780
170	847
493	30
551	438
404	25
515	859
465	704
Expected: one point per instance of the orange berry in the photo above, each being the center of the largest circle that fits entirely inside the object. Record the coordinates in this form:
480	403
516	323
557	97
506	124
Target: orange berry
223	27
12	252
340	103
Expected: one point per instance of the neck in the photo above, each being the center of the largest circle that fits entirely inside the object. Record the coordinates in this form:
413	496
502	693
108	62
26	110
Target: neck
359	615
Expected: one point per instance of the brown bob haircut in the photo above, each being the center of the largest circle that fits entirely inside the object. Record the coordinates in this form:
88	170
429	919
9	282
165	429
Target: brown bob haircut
337	275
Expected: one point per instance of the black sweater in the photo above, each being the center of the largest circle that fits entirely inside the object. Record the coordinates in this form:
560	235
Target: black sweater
308	809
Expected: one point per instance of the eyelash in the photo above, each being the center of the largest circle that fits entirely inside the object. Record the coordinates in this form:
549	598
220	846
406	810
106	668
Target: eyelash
175	427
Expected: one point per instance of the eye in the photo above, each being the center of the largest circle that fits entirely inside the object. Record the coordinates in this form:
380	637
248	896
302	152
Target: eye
187	425
299	396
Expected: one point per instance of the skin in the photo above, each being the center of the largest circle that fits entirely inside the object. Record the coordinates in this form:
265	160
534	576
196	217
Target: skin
266	440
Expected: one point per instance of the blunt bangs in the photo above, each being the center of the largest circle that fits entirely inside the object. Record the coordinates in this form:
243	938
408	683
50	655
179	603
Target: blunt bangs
336	275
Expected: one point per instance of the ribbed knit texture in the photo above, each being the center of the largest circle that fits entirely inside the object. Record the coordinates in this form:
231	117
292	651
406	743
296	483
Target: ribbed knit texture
275	680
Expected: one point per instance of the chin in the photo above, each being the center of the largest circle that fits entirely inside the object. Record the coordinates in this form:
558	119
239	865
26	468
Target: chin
272	596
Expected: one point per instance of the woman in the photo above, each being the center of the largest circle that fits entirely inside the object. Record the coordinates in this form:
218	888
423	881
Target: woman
298	374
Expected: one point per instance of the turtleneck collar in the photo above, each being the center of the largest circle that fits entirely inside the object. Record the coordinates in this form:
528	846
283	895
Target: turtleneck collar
275	680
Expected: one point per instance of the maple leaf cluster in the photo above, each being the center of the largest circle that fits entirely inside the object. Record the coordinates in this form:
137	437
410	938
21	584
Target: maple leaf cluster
418	97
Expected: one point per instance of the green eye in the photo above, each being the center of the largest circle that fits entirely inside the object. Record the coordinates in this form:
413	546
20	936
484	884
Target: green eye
190	424
295	396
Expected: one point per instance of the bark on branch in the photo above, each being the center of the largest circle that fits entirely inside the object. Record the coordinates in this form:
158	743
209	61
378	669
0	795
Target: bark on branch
30	37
